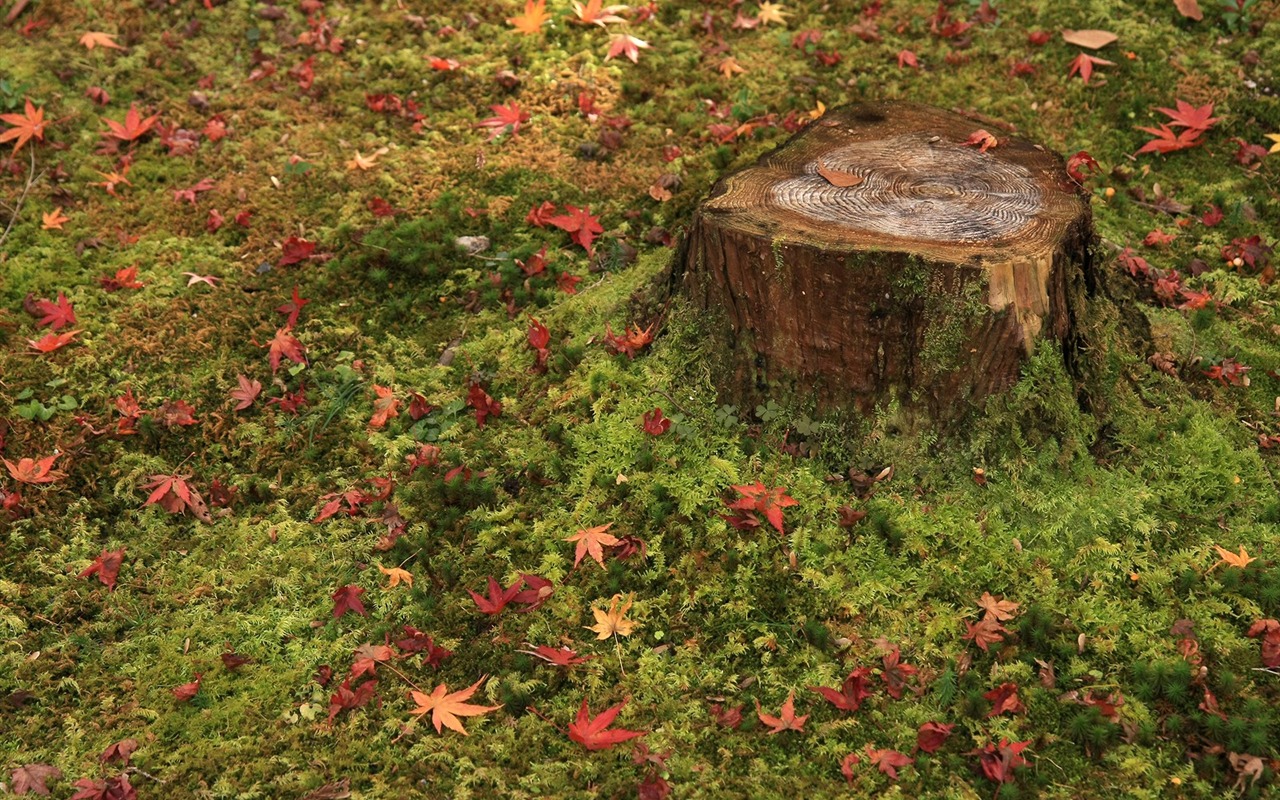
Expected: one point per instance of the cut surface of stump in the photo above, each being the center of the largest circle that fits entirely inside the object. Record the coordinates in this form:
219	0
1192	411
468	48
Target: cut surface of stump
876	254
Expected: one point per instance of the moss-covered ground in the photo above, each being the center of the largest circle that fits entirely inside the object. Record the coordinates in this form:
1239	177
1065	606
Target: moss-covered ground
1128	649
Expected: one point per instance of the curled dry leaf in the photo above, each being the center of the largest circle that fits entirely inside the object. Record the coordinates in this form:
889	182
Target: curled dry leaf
1189	9
837	177
1092	39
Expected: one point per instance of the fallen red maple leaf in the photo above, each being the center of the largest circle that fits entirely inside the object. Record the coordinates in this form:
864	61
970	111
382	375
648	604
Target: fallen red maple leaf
246	392
285	345
770	502
347	598
895	673
1084	64
498	597
1004	700
999	761
1081	159
981	139
29	470
561	656
539	340
120	752
1269	631
581	226
187	691
52	341
484	405
593	733
888	761
984	633
385	407
851	693
1167	141
57	314
654	423
294	250
106	566
631	341
787	721
32	779
133	127
415	641
346	698
508	116
933	735
173	494
1188	116
538	590
367	657
117	788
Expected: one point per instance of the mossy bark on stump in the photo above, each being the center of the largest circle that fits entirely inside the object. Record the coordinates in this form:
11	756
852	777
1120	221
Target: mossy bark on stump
876	254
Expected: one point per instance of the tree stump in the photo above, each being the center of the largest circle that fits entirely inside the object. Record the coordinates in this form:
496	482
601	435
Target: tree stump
876	254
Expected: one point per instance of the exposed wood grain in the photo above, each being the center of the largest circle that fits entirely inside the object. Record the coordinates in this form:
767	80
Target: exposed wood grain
875	254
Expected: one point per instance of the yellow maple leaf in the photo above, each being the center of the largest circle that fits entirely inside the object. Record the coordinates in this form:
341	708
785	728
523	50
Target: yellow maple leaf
1275	137
366	162
730	67
1241	559
818	111
396	575
52	220
772	12
533	18
999	610
94	39
613	622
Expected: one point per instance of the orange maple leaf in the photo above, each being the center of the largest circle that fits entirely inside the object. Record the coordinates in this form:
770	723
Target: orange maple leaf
52	220
29	470
134	125
594	14
533	18
1241	559
592	541
446	706
52	341
26	125
94	39
788	721
384	408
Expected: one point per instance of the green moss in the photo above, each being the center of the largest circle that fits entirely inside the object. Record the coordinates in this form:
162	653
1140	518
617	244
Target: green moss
1076	501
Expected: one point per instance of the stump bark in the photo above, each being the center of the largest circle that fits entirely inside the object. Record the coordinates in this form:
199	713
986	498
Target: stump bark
877	254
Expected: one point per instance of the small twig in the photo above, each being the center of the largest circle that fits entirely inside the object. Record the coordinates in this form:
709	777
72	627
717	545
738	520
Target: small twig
31	176
146	774
534	710
1269	670
671	399
1155	207
403	677
17	10
618	649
